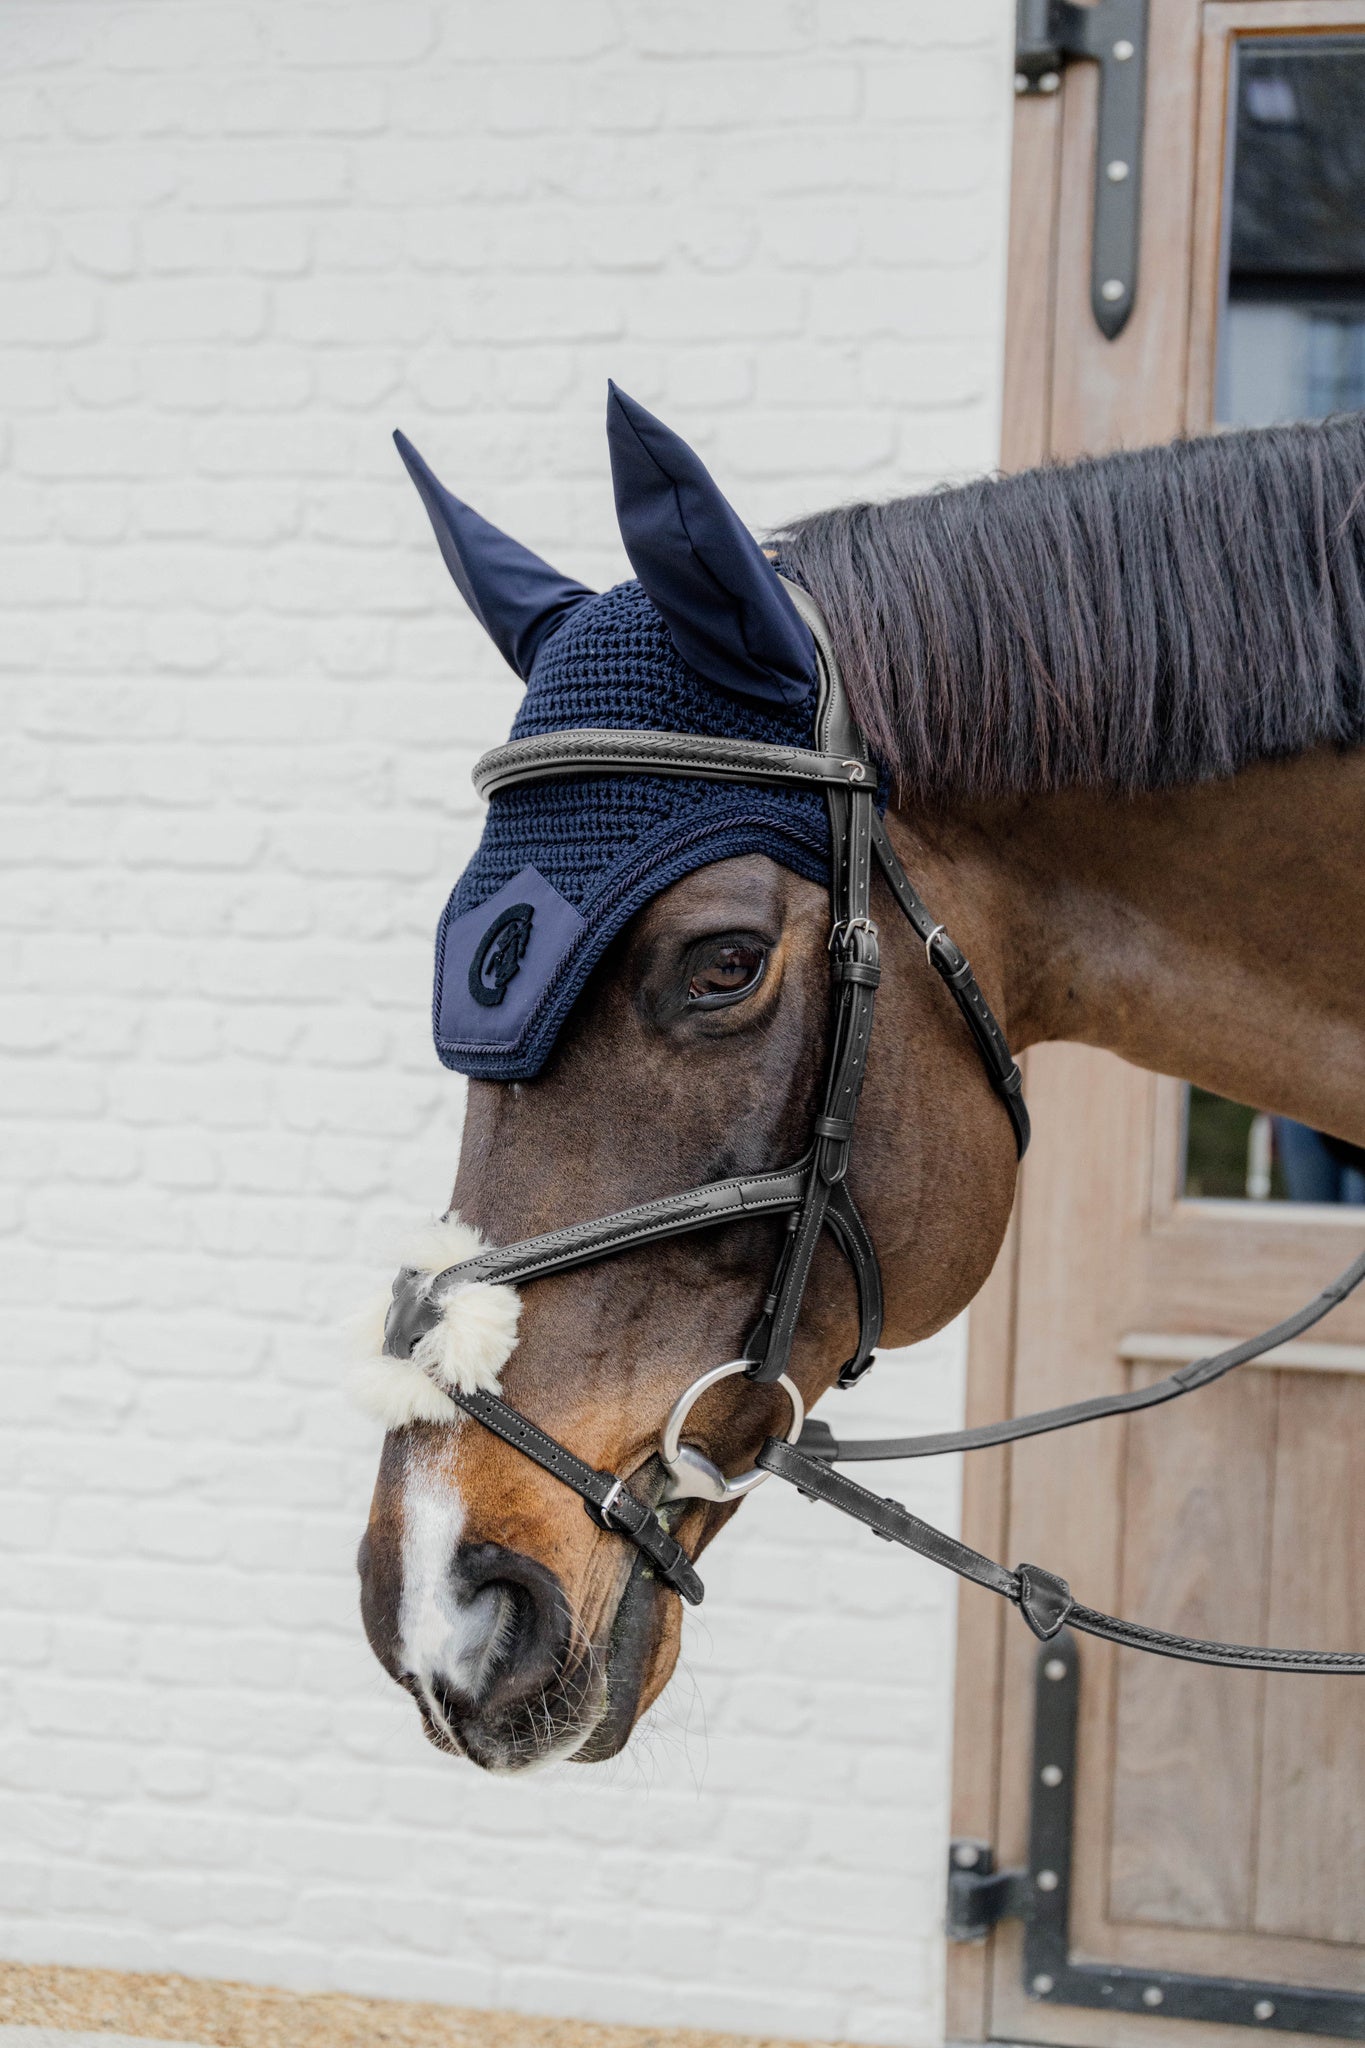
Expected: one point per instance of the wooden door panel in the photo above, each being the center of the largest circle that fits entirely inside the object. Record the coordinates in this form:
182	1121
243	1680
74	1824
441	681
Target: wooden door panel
1197	1508
1085	1201
1311	1811
1219	1816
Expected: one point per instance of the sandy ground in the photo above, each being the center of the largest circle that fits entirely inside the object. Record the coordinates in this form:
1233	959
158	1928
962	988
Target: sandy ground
217	2015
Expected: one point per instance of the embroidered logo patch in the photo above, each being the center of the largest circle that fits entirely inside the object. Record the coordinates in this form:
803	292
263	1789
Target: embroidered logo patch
499	954
494	964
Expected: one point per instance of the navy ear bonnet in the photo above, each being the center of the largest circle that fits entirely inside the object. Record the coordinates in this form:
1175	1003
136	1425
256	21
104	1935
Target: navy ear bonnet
563	865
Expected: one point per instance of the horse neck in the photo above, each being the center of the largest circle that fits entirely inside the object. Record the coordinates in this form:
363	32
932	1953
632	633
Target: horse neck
1215	932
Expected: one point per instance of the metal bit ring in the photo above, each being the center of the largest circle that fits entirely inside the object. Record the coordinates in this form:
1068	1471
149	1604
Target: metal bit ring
691	1474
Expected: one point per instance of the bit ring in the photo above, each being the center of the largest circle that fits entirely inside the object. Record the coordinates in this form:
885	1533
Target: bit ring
691	1474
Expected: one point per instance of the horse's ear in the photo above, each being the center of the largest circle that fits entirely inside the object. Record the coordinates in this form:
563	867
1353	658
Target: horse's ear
517	598
721	598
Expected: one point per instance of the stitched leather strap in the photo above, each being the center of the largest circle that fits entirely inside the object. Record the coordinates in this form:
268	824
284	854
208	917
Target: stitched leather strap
856	974
608	751
611	1504
1044	1599
1131	1635
886	1518
416	1306
817	1440
847	1226
954	969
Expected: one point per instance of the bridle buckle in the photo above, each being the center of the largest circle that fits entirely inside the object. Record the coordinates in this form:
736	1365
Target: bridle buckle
844	929
604	1507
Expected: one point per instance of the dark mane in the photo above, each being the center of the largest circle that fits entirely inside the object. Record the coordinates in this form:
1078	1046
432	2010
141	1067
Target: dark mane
1124	622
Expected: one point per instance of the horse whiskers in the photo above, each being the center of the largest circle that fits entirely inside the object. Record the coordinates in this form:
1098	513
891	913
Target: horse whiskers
582	1648
538	1727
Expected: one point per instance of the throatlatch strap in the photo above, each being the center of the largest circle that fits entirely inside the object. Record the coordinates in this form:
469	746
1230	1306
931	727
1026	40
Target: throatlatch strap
954	969
1044	1599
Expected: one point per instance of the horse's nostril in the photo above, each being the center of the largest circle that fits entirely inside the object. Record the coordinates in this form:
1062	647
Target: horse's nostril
531	1637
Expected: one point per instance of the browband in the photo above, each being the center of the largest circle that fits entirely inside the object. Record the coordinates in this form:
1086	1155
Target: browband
606	751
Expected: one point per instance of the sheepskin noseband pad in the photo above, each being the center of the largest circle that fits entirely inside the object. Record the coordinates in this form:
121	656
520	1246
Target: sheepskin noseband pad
457	1336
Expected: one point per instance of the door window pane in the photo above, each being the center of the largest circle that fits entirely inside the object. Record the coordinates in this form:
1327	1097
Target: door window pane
1292	332
1236	1153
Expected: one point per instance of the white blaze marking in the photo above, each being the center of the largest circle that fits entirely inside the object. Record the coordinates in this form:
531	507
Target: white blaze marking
441	1636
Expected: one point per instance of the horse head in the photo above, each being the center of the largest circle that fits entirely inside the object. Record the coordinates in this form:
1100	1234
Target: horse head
636	977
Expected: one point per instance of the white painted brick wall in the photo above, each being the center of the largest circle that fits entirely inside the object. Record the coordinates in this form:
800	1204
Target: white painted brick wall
240	240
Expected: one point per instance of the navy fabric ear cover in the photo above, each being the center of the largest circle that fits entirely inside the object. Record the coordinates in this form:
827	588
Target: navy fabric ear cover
570	861
726	612
518	599
707	641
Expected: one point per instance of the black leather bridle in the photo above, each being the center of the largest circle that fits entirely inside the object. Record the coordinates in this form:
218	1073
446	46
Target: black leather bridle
813	1195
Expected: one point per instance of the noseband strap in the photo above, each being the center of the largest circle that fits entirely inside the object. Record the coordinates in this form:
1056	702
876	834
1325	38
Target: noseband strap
416	1304
608	1500
813	1195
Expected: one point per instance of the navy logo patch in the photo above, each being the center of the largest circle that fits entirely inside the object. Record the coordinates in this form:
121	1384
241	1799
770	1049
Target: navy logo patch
499	954
494	966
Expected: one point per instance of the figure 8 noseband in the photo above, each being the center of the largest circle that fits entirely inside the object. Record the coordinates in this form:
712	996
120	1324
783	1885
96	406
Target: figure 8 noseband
812	1193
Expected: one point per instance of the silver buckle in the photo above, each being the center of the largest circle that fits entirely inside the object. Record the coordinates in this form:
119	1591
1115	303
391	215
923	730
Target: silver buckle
614	1492
839	935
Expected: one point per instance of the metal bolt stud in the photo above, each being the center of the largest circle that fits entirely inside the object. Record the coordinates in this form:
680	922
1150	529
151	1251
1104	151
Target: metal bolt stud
1051	1775
1041	1984
1020	81
1047	1880
1050	81
966	1855
1264	2009
1154	1995
1117	171
1112	290
1054	1669
1123	50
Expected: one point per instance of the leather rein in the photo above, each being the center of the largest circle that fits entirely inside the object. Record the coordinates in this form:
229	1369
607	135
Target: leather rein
813	1195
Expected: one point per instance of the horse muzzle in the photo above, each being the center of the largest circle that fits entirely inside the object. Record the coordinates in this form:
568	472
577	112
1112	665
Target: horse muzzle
483	1639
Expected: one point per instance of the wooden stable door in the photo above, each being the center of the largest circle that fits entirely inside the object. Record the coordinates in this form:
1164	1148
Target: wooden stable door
1217	1819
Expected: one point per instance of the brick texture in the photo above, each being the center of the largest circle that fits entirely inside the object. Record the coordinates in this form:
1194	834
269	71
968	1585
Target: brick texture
240	240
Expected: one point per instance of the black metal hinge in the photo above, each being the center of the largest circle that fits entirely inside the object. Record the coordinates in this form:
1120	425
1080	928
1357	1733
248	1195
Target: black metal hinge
1049	35
980	1896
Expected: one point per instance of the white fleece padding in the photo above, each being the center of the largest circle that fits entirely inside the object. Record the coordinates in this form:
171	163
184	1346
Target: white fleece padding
465	1351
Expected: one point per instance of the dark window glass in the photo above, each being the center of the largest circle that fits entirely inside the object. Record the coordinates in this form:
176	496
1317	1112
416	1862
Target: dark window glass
1292	333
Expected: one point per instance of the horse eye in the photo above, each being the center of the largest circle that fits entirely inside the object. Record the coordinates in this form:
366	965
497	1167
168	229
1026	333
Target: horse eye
727	970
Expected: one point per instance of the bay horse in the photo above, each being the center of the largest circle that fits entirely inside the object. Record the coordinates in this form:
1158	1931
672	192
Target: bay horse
1118	707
